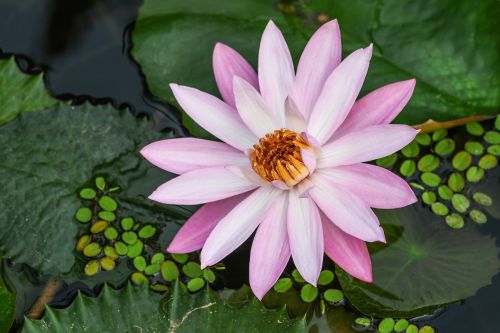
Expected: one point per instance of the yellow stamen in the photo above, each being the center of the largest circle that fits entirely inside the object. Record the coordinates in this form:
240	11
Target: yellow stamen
278	157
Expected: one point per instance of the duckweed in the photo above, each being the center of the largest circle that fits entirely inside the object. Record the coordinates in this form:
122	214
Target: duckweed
107	216
135	249
147	231
462	160
478	216
445	147
401	325
474	128
428	163
152	269
140	263
195	284
333	295
407	168
127	223
83	214
129	237
82	242
411	150
108	203
111	233
423	139
180	257
308	293
139	278
98	227
429	197
386	325
92	249
456	182
325	277
492	137
439	208
494	150
363	321
107	263
192	269
474	174
88	193
482	199
100	183
439	134
158	258
445	192
430	179
488	162
388	161
474	148
460	202
169	270
92	268
209	275
455	221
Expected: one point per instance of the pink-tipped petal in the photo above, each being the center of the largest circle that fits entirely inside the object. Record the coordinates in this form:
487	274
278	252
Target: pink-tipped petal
378	107
186	154
294	120
228	63
376	186
252	108
276	71
195	231
270	249
237	225
365	145
248	173
349	252
339	94
201	186
306	236
346	210
309	158
215	116
281	185
320	57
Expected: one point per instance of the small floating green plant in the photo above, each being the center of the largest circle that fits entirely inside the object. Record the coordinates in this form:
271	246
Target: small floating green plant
111	239
443	168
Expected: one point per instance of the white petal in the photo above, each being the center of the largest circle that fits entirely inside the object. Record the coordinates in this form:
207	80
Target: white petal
238	225
306	236
253	109
276	71
339	94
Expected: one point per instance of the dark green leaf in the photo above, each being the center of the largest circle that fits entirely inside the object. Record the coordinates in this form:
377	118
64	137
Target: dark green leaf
422	269
20	92
147	311
7	304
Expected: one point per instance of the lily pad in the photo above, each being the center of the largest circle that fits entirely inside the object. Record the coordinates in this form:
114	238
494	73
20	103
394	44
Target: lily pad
7	304
20	92
150	312
60	158
170	37
427	266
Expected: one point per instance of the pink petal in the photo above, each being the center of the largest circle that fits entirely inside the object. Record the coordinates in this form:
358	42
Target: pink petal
339	94
320	57
215	116
270	249
252	109
294	120
378	107
306	236
275	70
196	229
238	225
228	63
366	145
349	252
346	210
309	158
186	154
201	186
376	186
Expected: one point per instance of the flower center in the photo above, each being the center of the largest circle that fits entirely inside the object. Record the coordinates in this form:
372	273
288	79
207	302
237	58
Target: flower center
277	157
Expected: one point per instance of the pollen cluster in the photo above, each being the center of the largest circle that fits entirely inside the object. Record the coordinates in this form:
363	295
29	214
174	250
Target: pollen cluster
277	157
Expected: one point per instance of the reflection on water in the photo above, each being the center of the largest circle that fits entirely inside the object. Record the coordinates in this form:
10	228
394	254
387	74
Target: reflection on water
83	47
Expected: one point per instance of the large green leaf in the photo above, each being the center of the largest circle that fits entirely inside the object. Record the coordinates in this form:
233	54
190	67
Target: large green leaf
450	47
138	309
47	156
20	92
173	41
423	266
7	305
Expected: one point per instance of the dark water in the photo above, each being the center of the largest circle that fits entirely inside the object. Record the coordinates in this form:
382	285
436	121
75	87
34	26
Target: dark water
83	48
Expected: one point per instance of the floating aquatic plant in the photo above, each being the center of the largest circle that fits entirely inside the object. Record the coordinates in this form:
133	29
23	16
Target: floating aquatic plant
444	168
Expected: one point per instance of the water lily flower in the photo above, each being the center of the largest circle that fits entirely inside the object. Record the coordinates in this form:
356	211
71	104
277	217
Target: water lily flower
291	164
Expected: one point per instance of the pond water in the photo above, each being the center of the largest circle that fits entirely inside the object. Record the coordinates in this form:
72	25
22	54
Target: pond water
83	48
